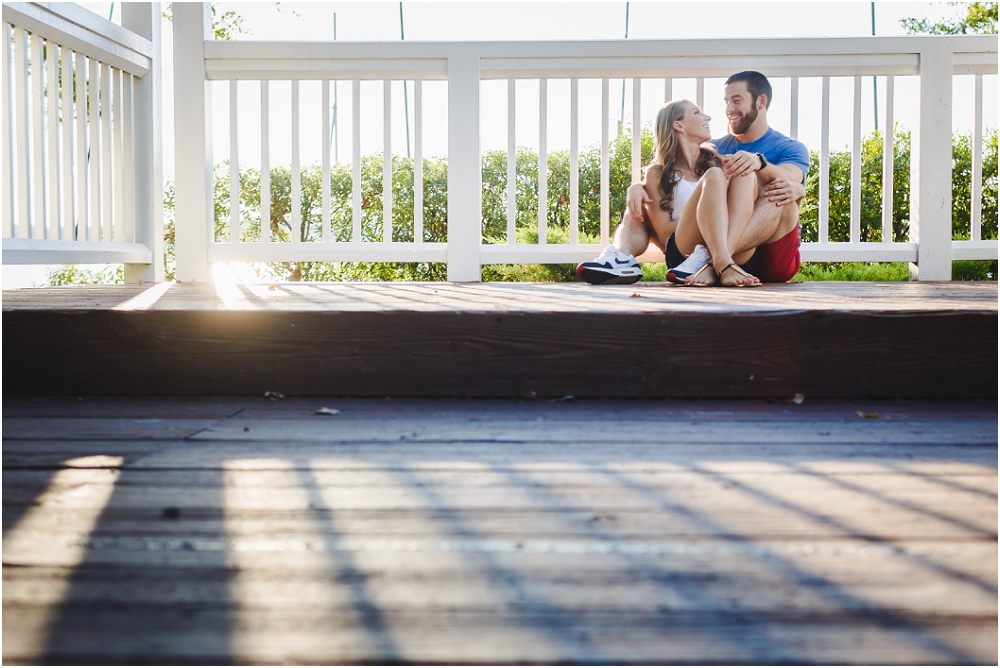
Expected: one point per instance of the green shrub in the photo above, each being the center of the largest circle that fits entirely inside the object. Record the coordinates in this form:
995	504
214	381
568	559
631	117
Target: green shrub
494	226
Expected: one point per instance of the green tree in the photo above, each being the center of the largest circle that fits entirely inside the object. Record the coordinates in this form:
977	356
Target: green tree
494	225
871	192
979	18
225	26
871	189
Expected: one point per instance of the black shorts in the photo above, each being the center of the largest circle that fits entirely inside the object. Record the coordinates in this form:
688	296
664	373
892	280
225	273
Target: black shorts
675	257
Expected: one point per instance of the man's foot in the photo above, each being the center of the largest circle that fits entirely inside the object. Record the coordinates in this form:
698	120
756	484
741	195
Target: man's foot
610	268
692	270
733	276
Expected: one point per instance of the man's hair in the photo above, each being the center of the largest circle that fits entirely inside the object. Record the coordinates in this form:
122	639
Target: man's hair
756	83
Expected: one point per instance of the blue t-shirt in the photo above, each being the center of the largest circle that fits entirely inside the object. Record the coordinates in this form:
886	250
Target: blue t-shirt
776	148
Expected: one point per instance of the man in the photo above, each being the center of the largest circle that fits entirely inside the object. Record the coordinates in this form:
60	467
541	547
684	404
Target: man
763	234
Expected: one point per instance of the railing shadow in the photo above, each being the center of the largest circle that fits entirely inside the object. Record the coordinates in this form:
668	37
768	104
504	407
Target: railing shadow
898	503
717	622
540	614
982	585
155	604
375	625
827	589
943	482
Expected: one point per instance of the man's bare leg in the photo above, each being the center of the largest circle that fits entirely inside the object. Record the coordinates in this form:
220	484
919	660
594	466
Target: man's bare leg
767	224
632	236
742	197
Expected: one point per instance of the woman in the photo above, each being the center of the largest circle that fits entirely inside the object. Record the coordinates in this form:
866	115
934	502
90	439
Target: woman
688	207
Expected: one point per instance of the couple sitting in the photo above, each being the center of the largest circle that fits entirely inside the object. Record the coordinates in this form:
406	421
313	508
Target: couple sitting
725	211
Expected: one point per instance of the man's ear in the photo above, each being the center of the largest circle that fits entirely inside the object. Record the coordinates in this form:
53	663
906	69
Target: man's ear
762	102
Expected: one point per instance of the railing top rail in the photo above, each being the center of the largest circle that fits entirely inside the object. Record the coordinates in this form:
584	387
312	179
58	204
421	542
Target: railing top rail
83	31
830	56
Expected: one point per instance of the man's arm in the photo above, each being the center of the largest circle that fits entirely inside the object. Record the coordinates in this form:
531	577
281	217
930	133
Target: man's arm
744	162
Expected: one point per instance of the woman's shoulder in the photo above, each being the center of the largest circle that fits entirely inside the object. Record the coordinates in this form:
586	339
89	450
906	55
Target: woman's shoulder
653	171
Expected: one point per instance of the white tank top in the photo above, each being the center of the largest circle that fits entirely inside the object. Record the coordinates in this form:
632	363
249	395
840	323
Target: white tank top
682	193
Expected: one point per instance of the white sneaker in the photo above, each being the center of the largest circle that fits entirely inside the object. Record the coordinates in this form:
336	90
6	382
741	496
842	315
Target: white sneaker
610	267
693	264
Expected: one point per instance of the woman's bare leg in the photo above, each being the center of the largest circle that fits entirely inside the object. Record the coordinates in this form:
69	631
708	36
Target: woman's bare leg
705	220
742	195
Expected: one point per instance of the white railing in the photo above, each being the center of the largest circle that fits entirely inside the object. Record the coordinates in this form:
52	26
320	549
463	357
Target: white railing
81	137
464	65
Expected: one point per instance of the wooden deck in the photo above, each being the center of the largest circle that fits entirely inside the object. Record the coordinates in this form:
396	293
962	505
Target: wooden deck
229	530
916	340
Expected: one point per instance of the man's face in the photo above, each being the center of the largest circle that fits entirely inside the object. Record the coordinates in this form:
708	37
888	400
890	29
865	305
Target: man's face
741	109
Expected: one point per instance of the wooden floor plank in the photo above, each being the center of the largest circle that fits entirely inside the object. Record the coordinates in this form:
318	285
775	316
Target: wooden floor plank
507	297
191	636
737	532
490	340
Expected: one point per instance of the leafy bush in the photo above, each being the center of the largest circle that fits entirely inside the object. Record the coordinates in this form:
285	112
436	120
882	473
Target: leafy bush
494	229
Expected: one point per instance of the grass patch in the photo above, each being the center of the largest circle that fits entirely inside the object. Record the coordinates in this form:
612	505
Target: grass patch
875	272
852	271
961	270
530	273
974	270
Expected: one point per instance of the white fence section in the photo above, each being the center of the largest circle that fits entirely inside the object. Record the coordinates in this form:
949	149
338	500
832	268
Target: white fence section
81	145
464	65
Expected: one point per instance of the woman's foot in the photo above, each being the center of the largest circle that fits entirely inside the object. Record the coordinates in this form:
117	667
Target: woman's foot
692	271
732	275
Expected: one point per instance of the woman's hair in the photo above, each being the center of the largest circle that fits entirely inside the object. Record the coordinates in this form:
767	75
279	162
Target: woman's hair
667	143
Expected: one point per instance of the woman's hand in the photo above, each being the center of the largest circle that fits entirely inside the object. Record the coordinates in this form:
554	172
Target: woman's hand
637	201
741	163
783	191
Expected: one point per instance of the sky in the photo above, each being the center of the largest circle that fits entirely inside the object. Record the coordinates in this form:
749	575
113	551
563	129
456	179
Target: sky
468	21
514	21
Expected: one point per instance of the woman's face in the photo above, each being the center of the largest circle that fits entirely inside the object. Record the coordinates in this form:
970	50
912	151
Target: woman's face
696	124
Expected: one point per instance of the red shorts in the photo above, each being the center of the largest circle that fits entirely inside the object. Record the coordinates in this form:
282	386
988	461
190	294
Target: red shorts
780	260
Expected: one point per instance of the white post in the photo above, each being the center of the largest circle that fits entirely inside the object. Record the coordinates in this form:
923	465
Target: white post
930	168
192	137
464	170
144	19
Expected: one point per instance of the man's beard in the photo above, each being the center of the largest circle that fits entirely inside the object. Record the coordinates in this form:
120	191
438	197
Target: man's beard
744	122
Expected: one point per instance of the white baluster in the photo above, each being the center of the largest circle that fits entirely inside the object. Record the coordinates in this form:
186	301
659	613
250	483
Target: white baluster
511	163
574	161
543	161
605	186
418	162
856	166
387	161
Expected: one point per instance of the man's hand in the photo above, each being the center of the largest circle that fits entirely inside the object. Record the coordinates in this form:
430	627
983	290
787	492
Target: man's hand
783	191
741	163
637	201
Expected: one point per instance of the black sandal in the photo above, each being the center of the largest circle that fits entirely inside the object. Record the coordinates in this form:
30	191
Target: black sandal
739	270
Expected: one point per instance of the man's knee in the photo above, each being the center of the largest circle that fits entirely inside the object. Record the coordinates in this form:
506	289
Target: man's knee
630	223
790	214
632	235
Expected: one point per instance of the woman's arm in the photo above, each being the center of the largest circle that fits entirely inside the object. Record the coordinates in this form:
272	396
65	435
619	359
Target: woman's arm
637	201
658	219
643	200
782	191
641	195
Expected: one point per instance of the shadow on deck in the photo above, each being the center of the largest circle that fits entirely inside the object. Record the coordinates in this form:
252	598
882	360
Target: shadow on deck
245	531
503	340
